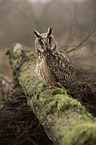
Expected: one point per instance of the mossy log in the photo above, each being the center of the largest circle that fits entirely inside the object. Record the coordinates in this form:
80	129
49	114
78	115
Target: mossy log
64	119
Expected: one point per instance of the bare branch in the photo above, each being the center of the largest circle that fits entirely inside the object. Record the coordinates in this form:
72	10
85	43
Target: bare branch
69	40
81	43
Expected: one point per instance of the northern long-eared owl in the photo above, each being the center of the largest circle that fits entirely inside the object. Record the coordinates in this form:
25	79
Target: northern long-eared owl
53	64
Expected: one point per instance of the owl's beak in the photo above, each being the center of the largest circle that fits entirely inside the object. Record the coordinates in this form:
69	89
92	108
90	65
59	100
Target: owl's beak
46	46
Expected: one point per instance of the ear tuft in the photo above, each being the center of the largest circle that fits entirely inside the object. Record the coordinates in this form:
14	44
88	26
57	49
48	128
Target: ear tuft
37	34
50	31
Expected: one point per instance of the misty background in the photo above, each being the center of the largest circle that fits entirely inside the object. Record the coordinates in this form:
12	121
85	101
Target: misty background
71	20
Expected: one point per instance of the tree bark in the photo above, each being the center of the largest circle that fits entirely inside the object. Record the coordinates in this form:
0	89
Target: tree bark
64	119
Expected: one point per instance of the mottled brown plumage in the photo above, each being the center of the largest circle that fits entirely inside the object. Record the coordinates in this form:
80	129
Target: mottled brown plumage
52	63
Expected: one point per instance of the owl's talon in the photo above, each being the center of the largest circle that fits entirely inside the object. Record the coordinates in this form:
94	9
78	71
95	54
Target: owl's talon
50	87
62	86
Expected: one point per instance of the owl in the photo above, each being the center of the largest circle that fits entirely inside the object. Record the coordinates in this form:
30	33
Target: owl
53	64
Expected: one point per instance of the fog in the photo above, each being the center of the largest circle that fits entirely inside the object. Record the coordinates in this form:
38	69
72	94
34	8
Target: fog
59	0
19	18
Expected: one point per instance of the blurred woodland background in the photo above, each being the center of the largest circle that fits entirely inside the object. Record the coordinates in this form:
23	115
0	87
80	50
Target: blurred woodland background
73	22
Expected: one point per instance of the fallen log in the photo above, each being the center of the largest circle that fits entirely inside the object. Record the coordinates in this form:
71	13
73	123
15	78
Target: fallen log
64	119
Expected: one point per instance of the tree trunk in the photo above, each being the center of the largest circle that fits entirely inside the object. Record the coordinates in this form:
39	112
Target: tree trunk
64	119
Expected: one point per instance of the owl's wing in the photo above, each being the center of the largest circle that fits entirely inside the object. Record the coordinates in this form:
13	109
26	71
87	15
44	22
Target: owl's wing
62	69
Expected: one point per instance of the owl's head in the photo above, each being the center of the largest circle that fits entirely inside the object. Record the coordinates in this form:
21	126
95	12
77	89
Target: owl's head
44	41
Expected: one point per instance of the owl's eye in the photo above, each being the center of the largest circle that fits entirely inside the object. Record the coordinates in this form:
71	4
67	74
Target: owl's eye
40	42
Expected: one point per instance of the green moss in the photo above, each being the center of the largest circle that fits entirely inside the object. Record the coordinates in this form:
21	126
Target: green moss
38	82
65	102
51	107
17	52
47	100
80	133
58	91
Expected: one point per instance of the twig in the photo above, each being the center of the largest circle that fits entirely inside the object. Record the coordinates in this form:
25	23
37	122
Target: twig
68	41
81	43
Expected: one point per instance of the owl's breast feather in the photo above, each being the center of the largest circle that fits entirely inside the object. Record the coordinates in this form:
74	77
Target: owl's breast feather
46	74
